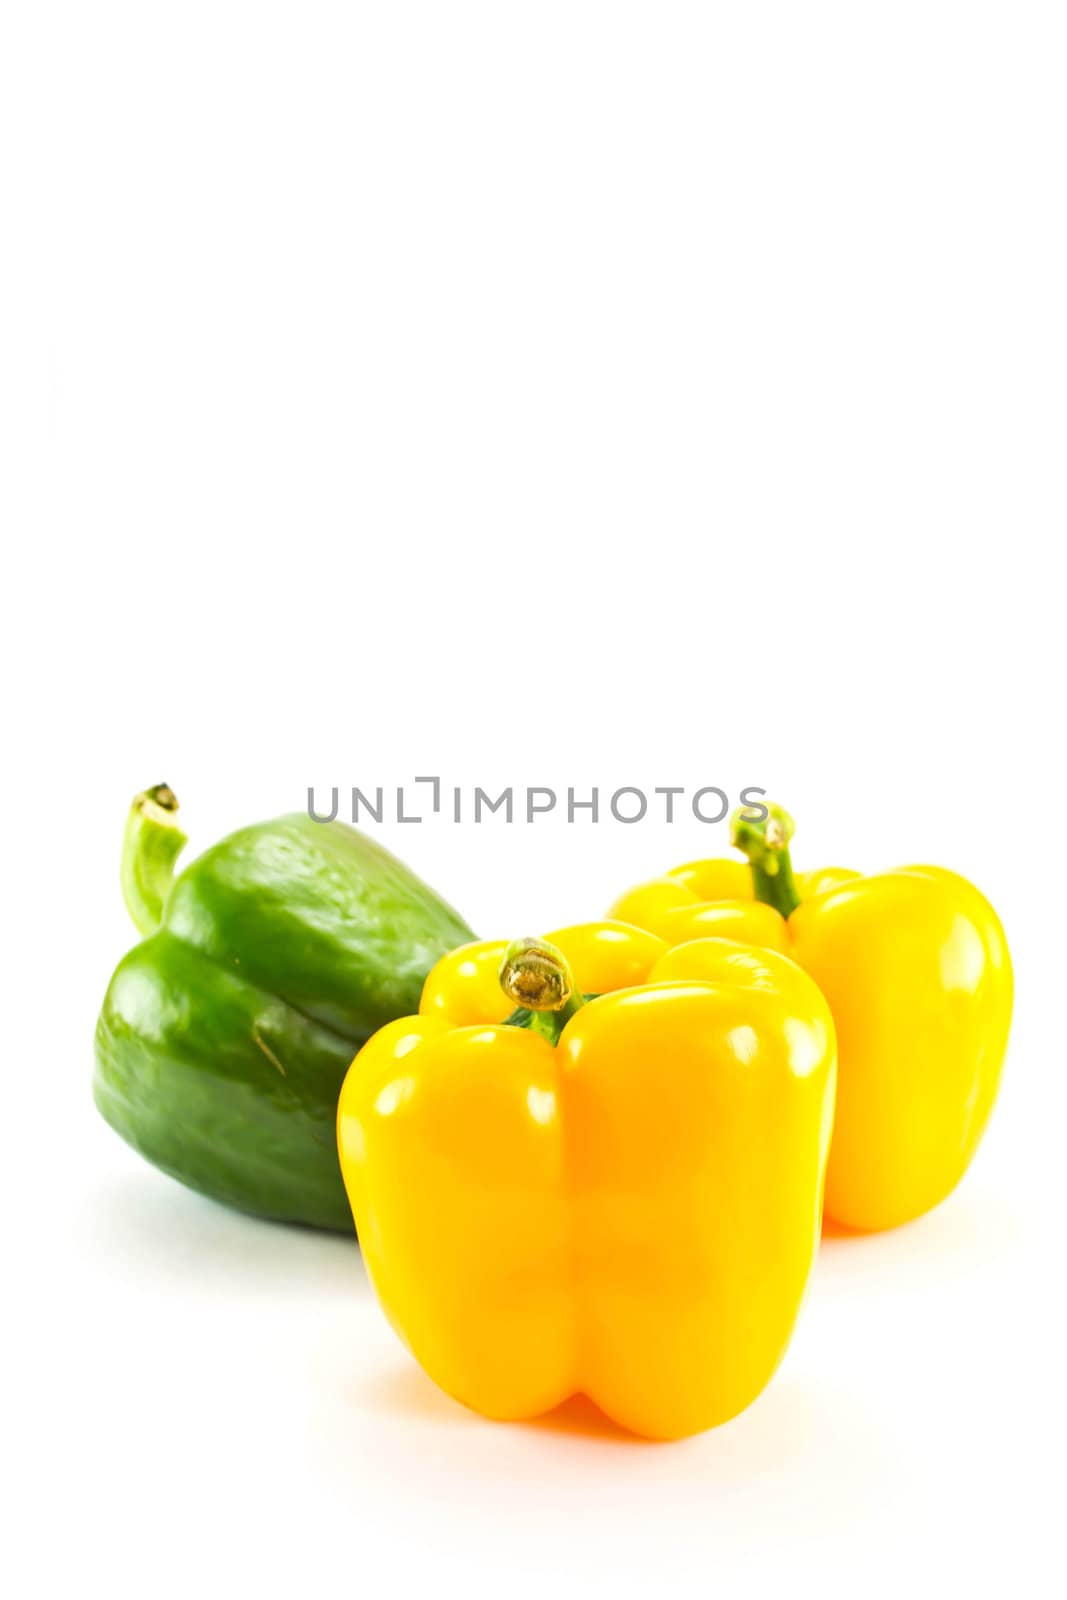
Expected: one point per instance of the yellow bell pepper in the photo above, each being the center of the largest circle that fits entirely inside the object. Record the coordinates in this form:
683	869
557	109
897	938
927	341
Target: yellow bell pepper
916	969
620	1197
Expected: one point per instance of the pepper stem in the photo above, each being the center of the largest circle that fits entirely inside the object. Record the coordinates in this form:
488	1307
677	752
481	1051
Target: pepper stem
151	846
535	975
765	841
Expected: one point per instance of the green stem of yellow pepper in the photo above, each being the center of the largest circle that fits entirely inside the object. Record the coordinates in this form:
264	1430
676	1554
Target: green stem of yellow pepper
150	848
535	975
765	842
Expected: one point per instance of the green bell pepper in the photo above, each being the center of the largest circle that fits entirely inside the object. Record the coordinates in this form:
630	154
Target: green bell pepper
225	1034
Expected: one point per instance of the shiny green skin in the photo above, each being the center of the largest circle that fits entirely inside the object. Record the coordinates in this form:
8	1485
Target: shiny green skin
224	1037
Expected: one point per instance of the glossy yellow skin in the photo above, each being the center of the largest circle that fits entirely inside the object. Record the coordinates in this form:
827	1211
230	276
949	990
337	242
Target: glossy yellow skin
464	986
743	921
631	1214
916	969
671	903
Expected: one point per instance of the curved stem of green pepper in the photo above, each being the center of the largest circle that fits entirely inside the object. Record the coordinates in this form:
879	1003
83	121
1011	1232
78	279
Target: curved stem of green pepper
765	841
150	848
535	975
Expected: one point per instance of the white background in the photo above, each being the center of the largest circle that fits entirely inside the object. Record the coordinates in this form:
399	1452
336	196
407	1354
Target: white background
558	394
